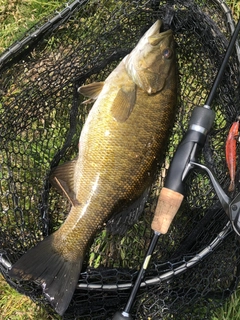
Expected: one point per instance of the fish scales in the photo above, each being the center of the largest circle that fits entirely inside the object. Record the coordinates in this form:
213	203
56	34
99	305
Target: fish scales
120	144
117	168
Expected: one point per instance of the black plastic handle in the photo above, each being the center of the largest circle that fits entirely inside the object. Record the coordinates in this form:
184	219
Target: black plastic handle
193	141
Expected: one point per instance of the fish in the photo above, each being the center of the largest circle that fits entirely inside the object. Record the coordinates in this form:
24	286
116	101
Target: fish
120	145
230	153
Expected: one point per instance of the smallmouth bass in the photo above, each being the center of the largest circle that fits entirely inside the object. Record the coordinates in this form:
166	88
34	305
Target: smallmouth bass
120	144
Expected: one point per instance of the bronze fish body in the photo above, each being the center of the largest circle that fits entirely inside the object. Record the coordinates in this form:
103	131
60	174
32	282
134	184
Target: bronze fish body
120	144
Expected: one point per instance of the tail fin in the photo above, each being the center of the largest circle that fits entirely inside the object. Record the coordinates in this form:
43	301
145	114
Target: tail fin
57	275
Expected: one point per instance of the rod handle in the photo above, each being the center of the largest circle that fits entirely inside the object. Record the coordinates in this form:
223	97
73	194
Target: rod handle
168	204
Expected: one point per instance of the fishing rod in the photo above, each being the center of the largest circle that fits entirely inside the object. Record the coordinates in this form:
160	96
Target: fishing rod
184	160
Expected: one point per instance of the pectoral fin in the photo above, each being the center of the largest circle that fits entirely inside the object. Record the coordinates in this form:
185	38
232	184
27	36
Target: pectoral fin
91	91
124	102
62	178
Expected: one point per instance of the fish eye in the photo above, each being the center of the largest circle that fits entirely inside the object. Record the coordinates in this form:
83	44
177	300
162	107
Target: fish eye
167	53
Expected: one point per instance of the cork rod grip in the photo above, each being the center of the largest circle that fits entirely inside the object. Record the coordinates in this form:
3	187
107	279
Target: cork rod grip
168	204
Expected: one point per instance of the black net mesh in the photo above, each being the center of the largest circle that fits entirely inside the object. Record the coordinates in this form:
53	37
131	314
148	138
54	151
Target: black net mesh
196	265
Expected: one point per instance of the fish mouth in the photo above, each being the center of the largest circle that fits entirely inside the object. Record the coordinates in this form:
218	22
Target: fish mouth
155	35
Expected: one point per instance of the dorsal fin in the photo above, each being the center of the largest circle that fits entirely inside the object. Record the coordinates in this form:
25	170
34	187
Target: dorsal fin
123	220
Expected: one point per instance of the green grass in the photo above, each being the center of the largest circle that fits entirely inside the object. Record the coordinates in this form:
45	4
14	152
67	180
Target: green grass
235	7
230	310
15	306
16	16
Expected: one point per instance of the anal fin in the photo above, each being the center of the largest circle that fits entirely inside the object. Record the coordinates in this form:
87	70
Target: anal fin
70	195
62	178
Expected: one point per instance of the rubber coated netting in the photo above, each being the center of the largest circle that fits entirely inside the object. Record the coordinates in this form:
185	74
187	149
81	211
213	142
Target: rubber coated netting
195	266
